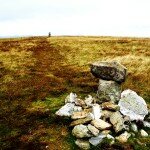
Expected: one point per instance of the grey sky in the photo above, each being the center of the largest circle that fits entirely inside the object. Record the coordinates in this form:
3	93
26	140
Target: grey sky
75	17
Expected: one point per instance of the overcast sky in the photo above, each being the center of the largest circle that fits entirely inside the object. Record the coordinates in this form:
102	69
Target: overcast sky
75	17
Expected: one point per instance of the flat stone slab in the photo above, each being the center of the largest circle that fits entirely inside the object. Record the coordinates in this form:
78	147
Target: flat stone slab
93	130
79	115
110	106
108	91
109	71
101	124
97	140
132	105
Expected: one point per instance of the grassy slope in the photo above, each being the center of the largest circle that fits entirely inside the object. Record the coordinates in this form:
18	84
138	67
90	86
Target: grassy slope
36	74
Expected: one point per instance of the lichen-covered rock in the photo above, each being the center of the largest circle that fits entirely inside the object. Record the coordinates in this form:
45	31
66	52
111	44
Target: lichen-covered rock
106	114
81	131
101	124
109	91
117	120
89	100
123	137
132	105
96	110
93	130
71	98
83	144
109	71
66	110
97	140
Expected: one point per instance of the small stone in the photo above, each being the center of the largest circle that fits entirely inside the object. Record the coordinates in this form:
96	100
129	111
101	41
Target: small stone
82	121
109	71
93	130
80	102
77	108
71	98
132	105
81	131
100	124
106	114
143	133
110	106
134	127
108	91
123	137
97	140
96	110
89	100
85	145
110	137
146	124
66	110
117	120
105	132
79	115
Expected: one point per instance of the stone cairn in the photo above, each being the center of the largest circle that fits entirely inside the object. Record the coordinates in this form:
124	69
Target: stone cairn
112	112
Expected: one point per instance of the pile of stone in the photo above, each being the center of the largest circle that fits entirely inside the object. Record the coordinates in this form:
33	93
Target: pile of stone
111	111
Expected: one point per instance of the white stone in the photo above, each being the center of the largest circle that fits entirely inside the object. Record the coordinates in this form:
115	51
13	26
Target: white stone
97	140
71	98
96	110
77	108
110	137
143	133
66	110
81	131
85	145
132	105
89	100
93	130
146	124
134	127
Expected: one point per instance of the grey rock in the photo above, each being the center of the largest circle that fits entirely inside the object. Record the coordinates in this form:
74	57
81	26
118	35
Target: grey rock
66	110
93	130
132	105
82	121
109	71
109	91
101	124
97	140
123	137
83	144
117	120
81	131
96	110
71	98
143	133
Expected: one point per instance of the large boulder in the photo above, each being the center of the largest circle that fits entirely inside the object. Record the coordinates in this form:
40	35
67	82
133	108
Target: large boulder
109	91
132	105
81	131
109	71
